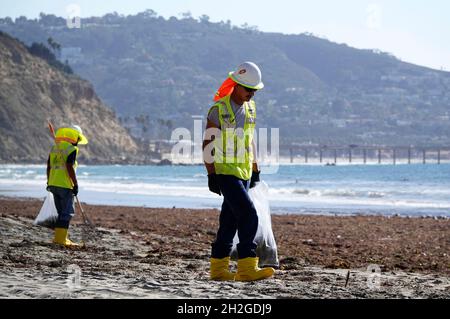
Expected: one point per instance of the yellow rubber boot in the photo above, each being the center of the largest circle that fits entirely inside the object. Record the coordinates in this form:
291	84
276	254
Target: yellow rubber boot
61	238
247	270
219	269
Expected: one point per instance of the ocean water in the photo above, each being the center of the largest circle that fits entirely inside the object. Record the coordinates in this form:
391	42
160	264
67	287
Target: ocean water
413	190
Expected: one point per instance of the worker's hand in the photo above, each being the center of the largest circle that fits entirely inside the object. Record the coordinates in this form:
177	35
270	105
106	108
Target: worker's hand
47	188
254	179
75	190
213	184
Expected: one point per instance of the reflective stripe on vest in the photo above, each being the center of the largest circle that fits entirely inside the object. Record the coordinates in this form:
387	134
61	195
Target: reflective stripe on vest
58	171
232	150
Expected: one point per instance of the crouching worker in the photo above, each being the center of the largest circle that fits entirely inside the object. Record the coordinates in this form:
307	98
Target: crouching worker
62	180
228	150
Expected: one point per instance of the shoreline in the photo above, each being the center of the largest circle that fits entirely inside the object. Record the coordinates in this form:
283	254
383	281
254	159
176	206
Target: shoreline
137	252
275	210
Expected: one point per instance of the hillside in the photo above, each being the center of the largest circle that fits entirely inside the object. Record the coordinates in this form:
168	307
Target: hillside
31	91
157	73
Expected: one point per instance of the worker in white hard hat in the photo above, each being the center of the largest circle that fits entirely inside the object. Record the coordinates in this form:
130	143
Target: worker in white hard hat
230	160
62	179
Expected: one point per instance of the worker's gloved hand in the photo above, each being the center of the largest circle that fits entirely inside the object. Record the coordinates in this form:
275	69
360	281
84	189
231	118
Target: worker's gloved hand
254	179
213	184
75	190
47	188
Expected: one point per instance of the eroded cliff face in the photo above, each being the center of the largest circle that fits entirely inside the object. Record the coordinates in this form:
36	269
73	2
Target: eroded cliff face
32	92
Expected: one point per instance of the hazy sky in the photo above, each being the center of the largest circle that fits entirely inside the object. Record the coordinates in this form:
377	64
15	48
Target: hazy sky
416	31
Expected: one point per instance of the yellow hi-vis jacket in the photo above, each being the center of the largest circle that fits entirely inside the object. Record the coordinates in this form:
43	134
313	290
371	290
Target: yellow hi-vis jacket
58	158
233	154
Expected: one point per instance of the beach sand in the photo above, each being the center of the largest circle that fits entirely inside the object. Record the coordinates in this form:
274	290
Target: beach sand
164	253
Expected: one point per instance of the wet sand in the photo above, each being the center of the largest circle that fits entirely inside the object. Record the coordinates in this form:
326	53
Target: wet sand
163	253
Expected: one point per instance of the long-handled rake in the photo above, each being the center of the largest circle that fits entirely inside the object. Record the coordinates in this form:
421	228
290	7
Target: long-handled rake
86	219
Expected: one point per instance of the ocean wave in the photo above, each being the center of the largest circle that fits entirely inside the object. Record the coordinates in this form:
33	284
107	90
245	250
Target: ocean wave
331	192
121	178
357	204
146	189
22	182
376	194
22	166
301	191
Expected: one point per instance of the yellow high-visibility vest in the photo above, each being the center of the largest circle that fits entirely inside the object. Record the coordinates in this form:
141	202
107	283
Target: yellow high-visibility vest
58	158
233	154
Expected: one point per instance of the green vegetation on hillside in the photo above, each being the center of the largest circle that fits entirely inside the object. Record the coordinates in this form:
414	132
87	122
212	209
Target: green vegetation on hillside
41	50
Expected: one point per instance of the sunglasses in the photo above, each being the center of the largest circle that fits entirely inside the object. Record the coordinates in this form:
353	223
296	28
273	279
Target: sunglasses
249	90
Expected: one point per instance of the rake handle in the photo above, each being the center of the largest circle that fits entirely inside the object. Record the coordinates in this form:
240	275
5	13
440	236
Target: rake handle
85	218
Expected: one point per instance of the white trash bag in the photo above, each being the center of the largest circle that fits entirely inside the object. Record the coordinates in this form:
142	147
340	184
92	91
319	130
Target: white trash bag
48	215
266	248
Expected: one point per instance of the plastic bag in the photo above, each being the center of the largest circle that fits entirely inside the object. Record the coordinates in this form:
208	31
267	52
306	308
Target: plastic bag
48	215
266	248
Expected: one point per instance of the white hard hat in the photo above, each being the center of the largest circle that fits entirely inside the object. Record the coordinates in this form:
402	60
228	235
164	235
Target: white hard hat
249	75
81	138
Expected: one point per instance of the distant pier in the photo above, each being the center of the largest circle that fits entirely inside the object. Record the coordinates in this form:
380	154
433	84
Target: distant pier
364	154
